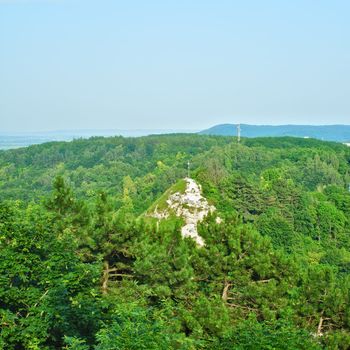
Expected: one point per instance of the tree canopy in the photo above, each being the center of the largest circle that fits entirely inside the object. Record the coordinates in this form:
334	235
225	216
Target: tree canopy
81	268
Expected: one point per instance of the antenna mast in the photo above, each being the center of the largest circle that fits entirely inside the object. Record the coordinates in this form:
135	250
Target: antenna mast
238	133
188	169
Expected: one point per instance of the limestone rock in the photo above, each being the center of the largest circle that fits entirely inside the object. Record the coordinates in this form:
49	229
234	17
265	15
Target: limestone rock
191	206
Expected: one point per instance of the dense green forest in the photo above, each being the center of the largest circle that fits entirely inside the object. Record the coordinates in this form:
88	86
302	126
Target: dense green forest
81	268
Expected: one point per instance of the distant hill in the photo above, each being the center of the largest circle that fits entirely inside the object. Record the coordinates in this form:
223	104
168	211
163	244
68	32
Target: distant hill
339	133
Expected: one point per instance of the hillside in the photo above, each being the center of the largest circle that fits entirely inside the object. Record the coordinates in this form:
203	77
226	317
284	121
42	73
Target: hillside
338	133
98	163
94	244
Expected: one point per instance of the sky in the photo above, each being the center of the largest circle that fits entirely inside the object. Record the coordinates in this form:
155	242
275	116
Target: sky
182	64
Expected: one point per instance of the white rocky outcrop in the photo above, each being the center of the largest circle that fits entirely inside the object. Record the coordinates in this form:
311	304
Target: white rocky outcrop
191	206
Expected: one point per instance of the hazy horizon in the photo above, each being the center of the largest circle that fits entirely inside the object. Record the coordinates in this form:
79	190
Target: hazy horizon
160	130
19	132
107	65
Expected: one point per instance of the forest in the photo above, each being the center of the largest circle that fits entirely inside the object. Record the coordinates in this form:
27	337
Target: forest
81	267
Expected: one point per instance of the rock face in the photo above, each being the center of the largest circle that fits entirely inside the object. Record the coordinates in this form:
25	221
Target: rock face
191	206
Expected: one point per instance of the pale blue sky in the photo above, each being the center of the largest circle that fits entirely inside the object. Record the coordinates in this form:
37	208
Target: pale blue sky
72	64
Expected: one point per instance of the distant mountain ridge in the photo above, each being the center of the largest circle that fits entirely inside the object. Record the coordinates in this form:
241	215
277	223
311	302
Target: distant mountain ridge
339	133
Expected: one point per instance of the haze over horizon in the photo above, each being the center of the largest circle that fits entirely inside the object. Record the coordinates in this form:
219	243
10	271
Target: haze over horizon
106	65
139	131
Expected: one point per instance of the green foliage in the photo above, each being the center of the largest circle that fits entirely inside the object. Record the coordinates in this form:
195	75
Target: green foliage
45	290
160	204
281	335
162	264
81	268
134	329
274	225
74	343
